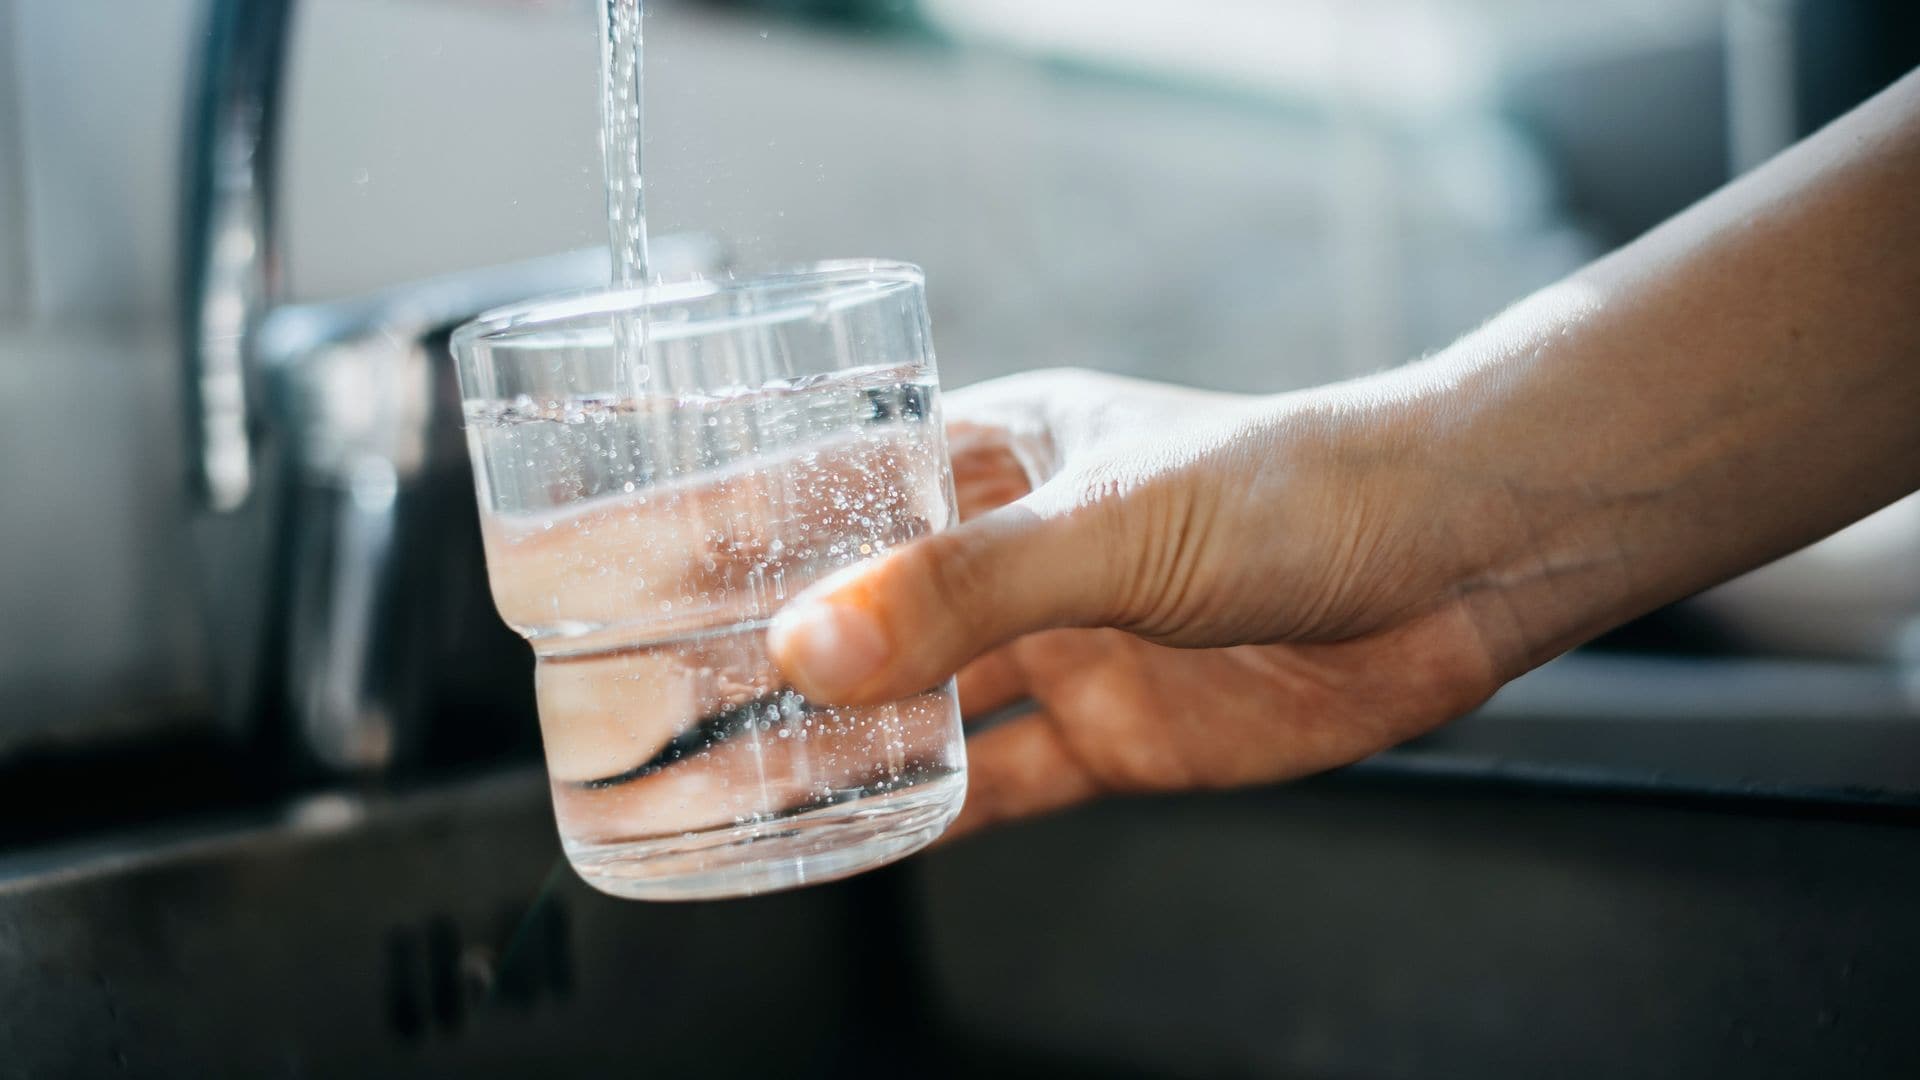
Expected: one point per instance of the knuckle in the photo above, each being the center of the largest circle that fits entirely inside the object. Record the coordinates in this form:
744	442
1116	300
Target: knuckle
1119	529
1136	766
955	577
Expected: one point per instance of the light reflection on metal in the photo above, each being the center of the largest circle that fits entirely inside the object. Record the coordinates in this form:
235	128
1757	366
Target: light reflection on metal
229	272
348	717
361	393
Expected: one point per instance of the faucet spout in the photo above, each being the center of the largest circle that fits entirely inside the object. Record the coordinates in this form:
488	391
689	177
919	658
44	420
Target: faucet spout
230	266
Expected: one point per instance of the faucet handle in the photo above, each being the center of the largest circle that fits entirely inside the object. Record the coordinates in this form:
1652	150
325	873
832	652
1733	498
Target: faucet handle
361	394
357	398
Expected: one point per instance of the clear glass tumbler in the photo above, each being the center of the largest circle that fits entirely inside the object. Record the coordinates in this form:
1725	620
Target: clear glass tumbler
645	520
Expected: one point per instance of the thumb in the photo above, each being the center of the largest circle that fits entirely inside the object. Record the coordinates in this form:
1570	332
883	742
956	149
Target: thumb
906	621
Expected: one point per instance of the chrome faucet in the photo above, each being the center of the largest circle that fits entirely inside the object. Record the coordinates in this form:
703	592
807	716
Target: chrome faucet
230	263
342	569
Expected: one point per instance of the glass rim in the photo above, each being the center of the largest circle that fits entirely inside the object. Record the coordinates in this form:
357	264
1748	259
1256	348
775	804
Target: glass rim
527	317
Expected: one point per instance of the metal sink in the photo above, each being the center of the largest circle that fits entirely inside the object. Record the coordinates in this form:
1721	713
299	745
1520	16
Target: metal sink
436	933
1370	924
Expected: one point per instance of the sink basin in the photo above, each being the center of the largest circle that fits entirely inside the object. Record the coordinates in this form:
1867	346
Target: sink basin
435	933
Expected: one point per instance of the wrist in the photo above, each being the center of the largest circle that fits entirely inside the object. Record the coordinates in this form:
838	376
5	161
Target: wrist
1502	527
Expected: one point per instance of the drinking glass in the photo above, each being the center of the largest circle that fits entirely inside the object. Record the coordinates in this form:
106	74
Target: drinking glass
659	471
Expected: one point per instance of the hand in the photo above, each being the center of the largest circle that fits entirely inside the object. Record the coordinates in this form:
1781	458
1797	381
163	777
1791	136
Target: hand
1257	590
1264	587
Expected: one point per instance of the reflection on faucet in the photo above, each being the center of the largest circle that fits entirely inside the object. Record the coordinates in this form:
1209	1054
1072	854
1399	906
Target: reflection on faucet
361	396
230	266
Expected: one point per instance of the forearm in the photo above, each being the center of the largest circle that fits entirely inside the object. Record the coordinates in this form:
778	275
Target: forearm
1736	384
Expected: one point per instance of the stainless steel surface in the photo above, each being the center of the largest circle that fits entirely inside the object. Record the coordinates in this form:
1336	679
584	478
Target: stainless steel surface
435	934
1348	927
229	256
1639	687
229	275
364	396
363	392
1362	928
1759	725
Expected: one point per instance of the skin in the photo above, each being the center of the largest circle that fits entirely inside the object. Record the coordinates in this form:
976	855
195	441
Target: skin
1203	590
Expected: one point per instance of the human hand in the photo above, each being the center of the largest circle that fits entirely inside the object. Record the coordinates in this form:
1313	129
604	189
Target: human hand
1206	590
1196	590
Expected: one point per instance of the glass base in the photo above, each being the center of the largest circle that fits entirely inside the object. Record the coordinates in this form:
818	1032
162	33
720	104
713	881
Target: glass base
806	848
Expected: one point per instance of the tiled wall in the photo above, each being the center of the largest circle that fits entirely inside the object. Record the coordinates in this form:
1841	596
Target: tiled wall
101	87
